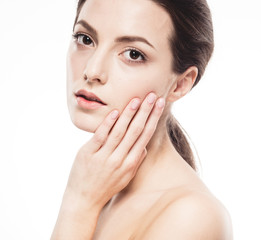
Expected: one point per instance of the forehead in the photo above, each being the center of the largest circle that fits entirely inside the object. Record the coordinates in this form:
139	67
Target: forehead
128	17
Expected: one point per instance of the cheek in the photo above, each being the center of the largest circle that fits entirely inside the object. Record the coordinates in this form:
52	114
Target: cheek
137	83
75	66
145	80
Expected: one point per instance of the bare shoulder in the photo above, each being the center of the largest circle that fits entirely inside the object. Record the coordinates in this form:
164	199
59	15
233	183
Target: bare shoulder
193	215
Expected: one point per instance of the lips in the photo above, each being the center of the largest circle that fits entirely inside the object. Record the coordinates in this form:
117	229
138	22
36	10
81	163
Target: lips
88	96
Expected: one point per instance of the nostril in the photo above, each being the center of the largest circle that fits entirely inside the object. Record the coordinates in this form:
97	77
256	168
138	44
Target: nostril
94	78
90	79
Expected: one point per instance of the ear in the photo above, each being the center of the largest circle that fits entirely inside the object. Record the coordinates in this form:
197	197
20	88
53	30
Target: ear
183	84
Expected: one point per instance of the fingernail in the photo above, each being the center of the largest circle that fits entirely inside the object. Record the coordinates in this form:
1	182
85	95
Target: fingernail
151	98
161	103
135	103
114	114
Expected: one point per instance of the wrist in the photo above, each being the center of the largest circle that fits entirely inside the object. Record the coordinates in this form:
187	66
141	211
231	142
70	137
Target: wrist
77	218
75	203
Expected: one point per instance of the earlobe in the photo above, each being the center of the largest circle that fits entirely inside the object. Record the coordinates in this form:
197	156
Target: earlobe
183	84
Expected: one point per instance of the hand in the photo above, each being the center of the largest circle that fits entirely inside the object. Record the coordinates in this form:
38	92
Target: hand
107	163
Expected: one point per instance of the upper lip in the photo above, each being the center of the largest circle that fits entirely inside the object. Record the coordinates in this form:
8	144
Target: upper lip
89	96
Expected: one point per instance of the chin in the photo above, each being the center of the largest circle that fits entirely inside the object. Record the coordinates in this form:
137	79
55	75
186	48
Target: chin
85	122
88	122
84	127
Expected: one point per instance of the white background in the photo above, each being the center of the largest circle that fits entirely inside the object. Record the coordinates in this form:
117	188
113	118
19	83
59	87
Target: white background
38	142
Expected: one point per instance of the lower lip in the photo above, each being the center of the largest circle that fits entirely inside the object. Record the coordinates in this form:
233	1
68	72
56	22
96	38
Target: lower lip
85	104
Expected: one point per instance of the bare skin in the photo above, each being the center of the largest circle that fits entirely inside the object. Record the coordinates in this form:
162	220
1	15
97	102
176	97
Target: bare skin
128	181
164	198
163	201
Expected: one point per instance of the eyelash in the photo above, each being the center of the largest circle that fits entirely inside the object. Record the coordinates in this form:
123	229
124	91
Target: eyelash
77	35
140	54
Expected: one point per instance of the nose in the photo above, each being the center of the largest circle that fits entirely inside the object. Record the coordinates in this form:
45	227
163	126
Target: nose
96	67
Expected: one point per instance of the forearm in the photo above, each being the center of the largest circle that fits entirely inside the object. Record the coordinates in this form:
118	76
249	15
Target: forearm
76	220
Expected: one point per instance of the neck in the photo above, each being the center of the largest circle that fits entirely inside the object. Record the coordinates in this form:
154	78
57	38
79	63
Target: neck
161	157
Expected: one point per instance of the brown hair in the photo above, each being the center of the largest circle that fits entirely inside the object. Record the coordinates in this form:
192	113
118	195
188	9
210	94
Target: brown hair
192	44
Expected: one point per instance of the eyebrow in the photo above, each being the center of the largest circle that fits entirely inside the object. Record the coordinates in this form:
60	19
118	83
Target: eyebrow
123	39
133	39
88	27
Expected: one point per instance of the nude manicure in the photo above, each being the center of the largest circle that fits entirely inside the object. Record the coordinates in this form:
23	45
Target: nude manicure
151	98
135	104
161	103
114	114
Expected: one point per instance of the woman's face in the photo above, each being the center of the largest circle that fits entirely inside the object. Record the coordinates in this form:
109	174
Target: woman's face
122	46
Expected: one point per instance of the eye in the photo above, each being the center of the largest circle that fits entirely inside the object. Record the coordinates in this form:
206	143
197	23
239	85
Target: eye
133	55
83	39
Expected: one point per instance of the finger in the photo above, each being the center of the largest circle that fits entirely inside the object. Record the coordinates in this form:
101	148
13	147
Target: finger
136	127
140	160
101	134
131	169
121	126
148	131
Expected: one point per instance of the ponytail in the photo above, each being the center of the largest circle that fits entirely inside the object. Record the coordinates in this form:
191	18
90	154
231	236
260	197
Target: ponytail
180	141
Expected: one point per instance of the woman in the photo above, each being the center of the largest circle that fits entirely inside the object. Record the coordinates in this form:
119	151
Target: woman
135	178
